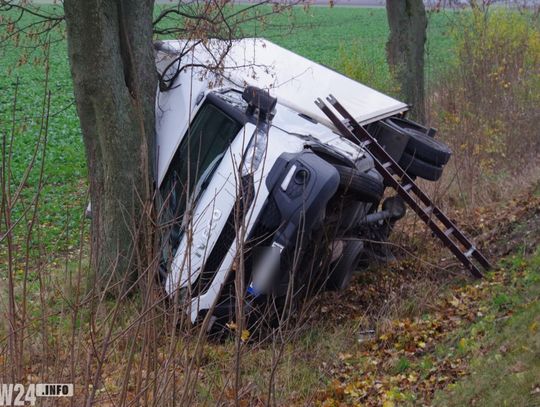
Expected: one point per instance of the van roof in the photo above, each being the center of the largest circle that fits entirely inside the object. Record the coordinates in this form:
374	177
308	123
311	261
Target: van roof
296	81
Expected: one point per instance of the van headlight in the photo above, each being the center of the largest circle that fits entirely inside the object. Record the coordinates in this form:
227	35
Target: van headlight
256	150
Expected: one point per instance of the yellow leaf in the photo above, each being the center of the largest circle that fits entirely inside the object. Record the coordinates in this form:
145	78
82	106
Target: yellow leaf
344	356
412	378
351	390
388	403
421	344
455	302
245	335
533	327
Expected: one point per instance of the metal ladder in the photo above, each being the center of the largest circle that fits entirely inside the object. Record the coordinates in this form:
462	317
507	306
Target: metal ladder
397	178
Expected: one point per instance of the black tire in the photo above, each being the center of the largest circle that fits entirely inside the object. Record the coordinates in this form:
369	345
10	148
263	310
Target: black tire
341	273
420	145
360	185
415	166
406	124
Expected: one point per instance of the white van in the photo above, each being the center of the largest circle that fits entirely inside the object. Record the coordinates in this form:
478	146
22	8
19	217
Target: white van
255	184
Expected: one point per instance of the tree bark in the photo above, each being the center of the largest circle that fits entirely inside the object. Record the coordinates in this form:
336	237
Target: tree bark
115	81
405	50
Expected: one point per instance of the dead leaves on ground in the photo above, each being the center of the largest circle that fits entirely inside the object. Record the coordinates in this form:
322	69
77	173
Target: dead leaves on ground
409	359
403	363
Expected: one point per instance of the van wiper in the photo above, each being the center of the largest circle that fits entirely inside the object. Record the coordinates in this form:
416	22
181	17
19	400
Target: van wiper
207	176
200	187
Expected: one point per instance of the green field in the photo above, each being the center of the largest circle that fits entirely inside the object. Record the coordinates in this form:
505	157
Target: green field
323	34
320	32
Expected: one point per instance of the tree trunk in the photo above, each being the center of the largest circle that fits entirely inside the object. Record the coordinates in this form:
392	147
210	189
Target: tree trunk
115	81
405	50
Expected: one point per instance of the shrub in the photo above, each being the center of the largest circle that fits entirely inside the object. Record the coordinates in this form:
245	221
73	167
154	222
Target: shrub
487	107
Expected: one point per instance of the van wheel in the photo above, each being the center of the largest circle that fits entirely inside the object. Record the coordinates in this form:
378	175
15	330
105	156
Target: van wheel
415	166
360	185
428	149
421	145
341	273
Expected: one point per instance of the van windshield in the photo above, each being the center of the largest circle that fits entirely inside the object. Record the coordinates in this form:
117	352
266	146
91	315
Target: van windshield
199	153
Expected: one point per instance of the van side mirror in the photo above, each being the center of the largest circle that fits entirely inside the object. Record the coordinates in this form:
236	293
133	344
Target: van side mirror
259	102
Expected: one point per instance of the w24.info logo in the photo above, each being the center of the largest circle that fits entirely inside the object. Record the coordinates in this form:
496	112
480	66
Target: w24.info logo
20	395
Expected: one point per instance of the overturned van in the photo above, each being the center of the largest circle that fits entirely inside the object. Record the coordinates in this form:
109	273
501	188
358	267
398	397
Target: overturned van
262	200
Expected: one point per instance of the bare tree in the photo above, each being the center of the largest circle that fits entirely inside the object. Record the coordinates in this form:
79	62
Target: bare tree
405	49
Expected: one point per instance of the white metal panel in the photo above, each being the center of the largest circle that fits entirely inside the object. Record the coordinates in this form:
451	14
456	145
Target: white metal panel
296	81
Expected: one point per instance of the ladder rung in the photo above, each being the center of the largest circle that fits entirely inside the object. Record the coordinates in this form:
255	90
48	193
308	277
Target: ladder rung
469	252
449	231
387	164
429	209
407	187
366	143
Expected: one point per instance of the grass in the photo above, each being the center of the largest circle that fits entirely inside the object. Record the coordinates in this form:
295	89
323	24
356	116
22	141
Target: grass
64	190
440	350
503	346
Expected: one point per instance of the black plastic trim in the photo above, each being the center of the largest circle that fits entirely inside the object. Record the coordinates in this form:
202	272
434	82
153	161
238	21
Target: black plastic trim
227	108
